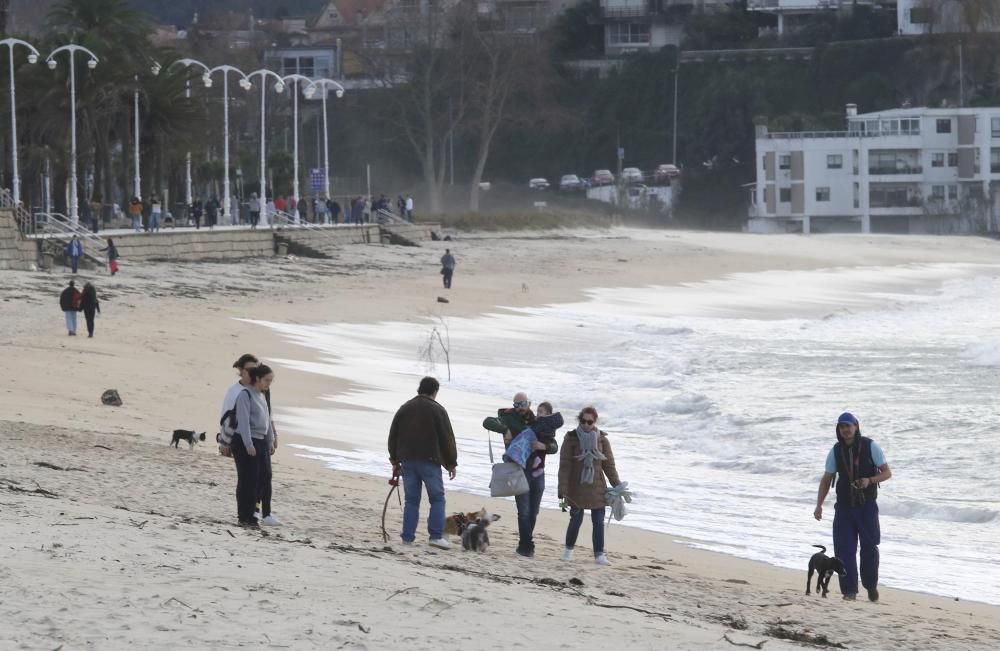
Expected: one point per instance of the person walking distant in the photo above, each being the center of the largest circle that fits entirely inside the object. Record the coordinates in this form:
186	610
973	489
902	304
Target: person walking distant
409	208
859	466
421	441
90	306
447	267
69	303
74	251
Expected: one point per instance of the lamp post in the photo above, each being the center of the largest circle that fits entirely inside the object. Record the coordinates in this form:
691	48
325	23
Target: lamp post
295	78
187	95
279	86
32	58
310	90
71	51
137	179
245	85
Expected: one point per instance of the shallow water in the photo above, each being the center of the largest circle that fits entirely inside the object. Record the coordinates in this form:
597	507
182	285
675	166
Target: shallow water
720	399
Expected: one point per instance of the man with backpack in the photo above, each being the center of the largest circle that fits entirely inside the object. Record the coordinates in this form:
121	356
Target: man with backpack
69	302
74	251
859	465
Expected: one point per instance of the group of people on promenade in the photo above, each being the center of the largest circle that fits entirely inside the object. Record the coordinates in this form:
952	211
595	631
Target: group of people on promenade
421	442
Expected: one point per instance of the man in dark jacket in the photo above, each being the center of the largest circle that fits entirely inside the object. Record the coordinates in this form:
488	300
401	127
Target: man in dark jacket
861	466
421	441
69	303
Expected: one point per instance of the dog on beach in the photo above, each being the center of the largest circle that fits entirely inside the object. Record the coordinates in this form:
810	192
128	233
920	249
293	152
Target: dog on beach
188	435
475	537
524	288
825	567
455	525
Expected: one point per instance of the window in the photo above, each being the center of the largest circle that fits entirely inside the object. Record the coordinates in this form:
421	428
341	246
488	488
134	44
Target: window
937	192
301	65
937	160
995	161
628	33
944	126
953	159
952	192
834	161
995	127
764	163
822	194
910	126
785	162
785	195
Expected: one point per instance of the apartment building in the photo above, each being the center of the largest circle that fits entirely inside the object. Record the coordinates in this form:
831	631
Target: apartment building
647	25
913	170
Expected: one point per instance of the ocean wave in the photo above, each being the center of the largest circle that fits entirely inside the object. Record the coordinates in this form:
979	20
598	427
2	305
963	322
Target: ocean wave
922	511
984	354
688	404
752	467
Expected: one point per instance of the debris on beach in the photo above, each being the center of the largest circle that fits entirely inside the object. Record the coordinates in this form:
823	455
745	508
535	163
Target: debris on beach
111	397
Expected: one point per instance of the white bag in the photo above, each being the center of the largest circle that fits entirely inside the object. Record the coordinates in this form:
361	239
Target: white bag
508	479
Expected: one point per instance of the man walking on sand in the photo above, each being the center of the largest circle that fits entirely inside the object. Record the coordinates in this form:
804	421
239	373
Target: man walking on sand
69	303
859	465
447	267
421	441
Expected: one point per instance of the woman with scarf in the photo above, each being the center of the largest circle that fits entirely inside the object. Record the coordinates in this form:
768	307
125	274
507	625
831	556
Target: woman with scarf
585	460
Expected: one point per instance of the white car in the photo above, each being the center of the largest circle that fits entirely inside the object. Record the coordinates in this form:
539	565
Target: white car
632	175
538	183
570	182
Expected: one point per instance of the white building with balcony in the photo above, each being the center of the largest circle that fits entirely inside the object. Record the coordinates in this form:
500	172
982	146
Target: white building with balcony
915	170
793	13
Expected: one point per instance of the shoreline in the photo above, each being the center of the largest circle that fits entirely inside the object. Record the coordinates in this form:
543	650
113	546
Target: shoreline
169	333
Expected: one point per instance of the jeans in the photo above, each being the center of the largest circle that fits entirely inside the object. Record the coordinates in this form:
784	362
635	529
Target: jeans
447	278
136	223
74	262
851	524
528	505
576	519
415	475
154	222
70	321
247	472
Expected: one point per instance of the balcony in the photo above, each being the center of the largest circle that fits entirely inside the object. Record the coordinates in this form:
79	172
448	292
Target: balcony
629	11
895	169
791	5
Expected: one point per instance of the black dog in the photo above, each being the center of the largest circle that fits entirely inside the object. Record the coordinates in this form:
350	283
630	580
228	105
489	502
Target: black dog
190	436
474	537
825	567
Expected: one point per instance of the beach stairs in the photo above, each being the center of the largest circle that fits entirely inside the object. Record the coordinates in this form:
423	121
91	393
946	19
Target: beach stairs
56	232
16	251
292	246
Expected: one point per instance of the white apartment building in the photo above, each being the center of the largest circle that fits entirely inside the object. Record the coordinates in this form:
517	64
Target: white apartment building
913	170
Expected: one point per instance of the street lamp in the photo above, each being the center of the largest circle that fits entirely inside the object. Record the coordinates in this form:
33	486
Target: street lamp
32	58
187	95
72	49
295	78
310	90
279	86
137	179
245	84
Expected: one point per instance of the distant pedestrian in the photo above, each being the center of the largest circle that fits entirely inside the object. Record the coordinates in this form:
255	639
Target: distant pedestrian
90	306
112	256
69	303
254	210
334	211
280	205
401	206
74	251
155	210
135	212
212	212
196	212
421	441
269	210
409	208
447	267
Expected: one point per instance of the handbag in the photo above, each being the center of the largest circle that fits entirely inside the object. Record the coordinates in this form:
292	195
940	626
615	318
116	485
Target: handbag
508	478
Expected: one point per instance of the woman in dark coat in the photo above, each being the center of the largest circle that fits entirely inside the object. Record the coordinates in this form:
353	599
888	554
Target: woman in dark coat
584	461
90	306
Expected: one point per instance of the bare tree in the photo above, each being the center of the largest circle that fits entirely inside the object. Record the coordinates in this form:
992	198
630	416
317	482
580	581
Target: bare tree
435	342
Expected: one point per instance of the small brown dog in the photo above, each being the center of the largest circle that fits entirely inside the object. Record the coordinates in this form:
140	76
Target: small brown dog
455	525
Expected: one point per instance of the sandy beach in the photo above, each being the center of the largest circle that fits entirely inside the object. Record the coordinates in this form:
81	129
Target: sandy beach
113	539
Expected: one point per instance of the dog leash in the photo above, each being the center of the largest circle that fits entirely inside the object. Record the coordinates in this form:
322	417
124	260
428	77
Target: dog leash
394	487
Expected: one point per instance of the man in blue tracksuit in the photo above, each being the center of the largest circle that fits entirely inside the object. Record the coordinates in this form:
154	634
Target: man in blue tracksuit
74	251
859	465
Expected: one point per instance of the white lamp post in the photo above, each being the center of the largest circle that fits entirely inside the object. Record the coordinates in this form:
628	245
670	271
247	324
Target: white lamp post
72	49
295	78
279	86
325	84
32	58
187	95
245	85
137	179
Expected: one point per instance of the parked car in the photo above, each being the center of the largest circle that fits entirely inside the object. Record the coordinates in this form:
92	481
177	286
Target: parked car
665	172
538	183
570	182
632	175
602	177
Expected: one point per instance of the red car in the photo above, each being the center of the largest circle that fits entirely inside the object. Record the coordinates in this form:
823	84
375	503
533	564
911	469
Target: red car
602	177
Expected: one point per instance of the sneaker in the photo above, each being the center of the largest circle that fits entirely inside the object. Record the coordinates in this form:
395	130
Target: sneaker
440	543
567	554
257	514
527	553
850	596
601	559
250	524
408	543
872	594
271	521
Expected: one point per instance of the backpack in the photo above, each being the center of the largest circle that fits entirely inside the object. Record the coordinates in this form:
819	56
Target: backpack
77	302
227	424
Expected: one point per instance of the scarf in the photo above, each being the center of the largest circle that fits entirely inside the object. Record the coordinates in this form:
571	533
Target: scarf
588	453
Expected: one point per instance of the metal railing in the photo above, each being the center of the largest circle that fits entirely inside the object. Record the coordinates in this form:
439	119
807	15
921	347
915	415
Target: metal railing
895	169
59	227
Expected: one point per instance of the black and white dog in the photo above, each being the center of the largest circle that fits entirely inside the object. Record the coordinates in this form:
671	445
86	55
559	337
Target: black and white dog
474	536
825	567
188	435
